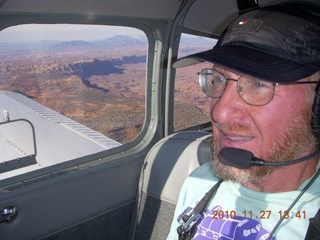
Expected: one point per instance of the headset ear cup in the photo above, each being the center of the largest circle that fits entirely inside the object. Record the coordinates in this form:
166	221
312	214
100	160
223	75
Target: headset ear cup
315	122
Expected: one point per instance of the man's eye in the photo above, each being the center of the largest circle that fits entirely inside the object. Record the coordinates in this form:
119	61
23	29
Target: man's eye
259	84
217	79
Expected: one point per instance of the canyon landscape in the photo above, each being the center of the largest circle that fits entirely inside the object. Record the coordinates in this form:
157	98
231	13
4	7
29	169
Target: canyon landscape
99	84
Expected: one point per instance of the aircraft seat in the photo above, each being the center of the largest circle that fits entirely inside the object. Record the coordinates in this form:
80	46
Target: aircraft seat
166	167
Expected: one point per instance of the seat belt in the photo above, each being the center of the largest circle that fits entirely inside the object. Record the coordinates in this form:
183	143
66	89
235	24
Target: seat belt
190	216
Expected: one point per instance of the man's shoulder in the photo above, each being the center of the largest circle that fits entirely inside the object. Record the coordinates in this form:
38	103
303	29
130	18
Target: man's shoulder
204	173
199	182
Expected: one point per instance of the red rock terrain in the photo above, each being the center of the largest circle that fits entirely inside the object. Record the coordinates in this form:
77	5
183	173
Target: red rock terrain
98	88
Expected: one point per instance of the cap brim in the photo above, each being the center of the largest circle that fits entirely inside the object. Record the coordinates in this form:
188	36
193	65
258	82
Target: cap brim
250	62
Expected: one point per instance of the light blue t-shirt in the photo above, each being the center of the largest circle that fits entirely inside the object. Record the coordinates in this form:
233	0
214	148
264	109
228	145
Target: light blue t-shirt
237	212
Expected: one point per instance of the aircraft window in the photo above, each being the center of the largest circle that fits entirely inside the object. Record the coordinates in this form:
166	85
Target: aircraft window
191	105
81	86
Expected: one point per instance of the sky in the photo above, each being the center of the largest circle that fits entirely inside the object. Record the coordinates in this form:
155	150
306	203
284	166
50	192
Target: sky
63	32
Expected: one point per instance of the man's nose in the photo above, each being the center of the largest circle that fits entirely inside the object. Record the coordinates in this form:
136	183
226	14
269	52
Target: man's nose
228	106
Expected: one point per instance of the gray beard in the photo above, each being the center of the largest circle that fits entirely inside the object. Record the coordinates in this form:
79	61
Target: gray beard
291	145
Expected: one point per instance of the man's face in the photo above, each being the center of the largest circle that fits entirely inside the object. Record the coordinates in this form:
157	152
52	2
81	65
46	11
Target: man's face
276	132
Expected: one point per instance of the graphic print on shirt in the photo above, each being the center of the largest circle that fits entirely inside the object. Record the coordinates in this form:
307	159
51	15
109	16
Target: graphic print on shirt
228	228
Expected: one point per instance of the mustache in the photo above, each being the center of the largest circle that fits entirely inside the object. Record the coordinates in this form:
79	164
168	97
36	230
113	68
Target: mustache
234	127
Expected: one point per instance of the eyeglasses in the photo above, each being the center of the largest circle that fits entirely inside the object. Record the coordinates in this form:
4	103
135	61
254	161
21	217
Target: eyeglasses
252	91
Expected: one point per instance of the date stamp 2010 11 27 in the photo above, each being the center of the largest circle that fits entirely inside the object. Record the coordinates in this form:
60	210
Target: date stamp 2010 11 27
263	214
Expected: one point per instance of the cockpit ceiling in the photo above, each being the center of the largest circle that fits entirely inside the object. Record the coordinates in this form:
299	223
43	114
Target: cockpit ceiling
207	16
157	9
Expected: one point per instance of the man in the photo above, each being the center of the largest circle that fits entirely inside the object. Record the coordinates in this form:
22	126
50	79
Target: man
262	84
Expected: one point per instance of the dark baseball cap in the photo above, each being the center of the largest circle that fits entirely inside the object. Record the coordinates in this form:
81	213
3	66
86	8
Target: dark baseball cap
279	43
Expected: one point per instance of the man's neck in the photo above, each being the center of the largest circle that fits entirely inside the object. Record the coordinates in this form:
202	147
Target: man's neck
284	179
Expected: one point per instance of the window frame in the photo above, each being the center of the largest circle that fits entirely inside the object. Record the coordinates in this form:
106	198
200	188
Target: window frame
152	127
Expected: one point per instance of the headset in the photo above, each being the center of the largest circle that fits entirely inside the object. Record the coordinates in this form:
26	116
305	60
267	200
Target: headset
315	118
314	9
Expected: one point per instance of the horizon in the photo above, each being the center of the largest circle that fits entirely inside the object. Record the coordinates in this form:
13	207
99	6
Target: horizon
64	32
68	32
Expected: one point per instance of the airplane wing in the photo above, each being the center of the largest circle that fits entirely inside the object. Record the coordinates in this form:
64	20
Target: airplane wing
57	137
